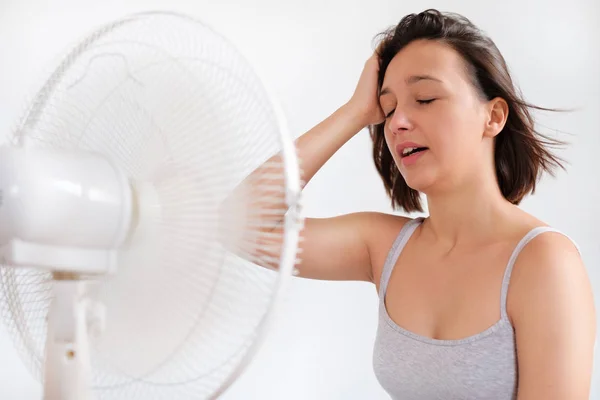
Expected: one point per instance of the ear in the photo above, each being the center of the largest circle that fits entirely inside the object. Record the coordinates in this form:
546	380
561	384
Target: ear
496	116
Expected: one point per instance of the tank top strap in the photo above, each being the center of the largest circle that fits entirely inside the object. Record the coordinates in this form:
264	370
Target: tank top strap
533	233
403	236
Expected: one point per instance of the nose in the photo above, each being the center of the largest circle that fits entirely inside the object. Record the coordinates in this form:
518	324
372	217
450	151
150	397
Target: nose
400	122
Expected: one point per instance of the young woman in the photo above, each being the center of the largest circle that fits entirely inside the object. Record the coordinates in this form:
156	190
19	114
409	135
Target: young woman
480	300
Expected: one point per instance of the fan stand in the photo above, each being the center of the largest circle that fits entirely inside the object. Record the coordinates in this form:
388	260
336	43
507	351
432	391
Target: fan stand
67	372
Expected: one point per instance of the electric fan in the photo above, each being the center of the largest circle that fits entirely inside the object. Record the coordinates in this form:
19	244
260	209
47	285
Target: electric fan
123	274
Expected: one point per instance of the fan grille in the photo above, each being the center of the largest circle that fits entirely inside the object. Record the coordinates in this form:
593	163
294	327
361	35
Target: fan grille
174	106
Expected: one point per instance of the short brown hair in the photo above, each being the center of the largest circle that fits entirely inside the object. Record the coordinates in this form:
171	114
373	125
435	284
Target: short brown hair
521	153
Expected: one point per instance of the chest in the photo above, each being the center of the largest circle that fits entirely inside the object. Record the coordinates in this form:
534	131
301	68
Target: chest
475	368
447	298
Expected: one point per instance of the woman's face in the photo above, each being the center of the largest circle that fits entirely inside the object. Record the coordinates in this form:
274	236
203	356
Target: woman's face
428	100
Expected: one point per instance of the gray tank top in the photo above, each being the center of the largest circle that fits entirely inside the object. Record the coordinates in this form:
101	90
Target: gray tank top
411	366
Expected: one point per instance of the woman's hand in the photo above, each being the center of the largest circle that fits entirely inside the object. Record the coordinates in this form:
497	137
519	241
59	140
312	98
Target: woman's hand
365	100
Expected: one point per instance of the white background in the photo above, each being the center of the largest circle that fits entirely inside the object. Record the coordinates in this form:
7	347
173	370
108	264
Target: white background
313	52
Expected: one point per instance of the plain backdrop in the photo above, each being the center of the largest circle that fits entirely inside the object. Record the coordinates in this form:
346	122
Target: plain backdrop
313	52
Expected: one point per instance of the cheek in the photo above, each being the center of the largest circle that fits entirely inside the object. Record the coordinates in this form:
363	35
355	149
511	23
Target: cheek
454	134
451	158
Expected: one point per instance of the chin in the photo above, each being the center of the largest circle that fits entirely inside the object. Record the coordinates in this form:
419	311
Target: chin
419	181
421	187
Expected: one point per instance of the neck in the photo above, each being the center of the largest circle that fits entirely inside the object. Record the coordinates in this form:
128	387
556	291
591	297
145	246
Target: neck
467	215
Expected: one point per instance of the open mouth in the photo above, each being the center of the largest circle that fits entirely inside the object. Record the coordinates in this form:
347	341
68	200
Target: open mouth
412	150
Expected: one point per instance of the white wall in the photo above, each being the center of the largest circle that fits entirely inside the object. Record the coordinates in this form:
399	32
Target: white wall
313	51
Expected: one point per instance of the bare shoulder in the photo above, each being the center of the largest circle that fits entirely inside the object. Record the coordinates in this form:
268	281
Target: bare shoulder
551	307
548	257
380	231
549	267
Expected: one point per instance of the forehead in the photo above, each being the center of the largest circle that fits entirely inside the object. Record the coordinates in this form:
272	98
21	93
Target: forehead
426	57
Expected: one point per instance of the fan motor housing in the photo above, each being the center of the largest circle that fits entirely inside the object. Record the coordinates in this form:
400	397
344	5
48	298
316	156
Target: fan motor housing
67	210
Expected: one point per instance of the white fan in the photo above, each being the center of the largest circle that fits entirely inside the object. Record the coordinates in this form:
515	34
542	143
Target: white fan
117	275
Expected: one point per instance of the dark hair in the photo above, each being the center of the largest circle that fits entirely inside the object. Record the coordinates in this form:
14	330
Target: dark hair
520	152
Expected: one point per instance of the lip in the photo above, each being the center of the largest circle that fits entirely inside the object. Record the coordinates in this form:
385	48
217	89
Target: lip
400	147
412	159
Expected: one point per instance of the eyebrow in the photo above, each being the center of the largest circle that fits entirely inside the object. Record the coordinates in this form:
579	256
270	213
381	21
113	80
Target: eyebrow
411	80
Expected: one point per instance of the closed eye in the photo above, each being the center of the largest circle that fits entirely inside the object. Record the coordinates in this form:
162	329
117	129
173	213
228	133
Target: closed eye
423	102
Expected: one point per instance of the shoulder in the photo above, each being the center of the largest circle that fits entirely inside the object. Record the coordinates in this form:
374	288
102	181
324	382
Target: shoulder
548	270
384	219
380	230
552	311
546	253
545	257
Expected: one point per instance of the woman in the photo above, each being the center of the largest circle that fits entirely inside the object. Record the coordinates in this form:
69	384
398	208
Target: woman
480	300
